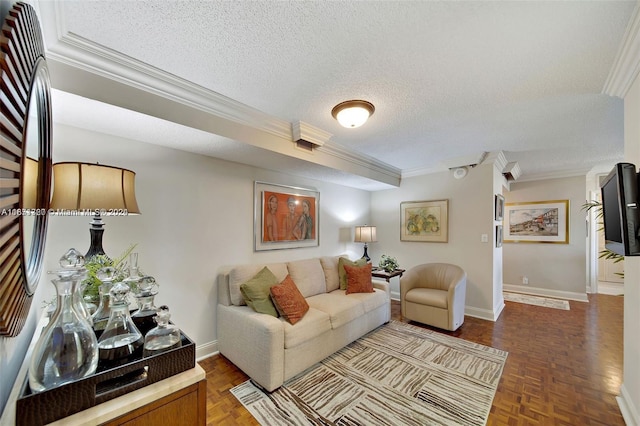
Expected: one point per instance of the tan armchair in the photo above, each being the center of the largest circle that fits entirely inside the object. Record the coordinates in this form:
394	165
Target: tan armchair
434	294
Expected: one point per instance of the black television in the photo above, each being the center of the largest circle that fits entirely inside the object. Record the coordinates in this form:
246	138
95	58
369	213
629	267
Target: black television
620	210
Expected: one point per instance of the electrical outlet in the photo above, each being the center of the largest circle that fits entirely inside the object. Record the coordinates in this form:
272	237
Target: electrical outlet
484	238
525	280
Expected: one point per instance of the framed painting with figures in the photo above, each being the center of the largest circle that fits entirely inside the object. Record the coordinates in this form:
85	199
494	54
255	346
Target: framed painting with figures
285	216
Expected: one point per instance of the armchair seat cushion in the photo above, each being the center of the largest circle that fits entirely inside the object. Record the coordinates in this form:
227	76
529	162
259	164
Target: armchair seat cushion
427	296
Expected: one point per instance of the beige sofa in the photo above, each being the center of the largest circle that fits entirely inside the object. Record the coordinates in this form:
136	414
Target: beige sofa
270	350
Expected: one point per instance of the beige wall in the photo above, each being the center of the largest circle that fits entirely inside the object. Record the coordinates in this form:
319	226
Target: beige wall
552	269
630	399
470	216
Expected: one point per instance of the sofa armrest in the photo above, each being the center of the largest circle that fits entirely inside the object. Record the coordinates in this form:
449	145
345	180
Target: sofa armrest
382	285
253	342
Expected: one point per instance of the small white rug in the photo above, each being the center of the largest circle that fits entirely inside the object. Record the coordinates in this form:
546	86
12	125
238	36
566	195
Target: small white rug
536	300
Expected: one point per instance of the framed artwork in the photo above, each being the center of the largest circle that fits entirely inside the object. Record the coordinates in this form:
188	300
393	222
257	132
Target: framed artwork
499	207
285	217
537	222
424	221
498	235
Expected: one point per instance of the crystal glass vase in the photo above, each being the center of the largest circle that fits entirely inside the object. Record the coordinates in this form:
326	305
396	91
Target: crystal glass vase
106	276
67	349
121	340
164	337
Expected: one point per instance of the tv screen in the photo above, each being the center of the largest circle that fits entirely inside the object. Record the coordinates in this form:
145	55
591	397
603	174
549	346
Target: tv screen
620	210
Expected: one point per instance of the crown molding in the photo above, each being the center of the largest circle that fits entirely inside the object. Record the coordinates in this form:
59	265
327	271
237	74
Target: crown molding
309	133
626	66
77	52
553	175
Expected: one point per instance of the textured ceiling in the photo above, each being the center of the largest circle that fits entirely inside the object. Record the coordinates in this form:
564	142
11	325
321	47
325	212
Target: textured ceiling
448	79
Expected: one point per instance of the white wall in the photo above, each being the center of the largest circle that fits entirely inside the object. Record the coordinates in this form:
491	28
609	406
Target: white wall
552	269
630	391
197	218
470	215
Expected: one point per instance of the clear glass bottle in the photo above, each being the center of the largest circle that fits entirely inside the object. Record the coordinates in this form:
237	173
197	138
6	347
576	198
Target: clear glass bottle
121	340
67	348
164	337
106	276
144	317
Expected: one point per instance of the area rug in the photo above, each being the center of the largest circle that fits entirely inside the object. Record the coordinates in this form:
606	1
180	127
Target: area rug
398	374
536	300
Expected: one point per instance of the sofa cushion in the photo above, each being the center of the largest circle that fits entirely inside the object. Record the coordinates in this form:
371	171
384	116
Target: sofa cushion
256	292
308	276
359	279
343	274
330	268
370	301
240	274
289	301
313	324
427	296
340	308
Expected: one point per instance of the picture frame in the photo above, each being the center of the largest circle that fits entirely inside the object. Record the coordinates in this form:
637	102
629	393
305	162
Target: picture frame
424	221
537	222
499	207
499	236
285	217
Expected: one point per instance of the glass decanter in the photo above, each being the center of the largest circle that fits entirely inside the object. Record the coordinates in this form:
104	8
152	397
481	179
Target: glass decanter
164	337
144	289
106	276
144	317
67	349
121	340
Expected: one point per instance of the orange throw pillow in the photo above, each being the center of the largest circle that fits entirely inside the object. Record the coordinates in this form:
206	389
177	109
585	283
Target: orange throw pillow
288	300
359	279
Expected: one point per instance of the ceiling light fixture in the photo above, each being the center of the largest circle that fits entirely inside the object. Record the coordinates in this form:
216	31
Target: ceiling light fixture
352	114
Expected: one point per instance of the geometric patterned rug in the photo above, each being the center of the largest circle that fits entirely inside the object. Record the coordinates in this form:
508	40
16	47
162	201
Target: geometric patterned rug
398	374
536	300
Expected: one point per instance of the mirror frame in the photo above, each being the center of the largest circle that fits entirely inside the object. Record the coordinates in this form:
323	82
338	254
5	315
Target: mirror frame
22	70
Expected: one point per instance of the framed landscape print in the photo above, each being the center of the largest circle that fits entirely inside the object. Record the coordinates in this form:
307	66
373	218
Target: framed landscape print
537	222
499	237
424	221
285	217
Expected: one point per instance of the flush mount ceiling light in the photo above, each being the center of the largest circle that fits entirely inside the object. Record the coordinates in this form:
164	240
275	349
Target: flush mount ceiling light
352	114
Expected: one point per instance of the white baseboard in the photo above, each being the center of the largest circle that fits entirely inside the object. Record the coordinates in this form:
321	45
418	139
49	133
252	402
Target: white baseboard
395	295
545	292
613	289
485	314
628	410
206	350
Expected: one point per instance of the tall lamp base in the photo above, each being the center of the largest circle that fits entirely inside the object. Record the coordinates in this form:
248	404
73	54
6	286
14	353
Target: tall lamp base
366	255
96	231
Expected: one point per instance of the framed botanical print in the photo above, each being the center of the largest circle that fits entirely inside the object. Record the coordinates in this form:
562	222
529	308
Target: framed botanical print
285	217
537	222
424	221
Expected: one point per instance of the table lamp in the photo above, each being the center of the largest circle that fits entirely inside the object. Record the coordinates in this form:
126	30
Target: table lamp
365	234
94	189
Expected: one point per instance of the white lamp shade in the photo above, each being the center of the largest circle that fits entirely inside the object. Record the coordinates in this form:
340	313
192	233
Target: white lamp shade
84	186
365	234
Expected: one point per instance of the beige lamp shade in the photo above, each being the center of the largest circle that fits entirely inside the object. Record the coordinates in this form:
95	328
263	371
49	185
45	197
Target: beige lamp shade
365	234
30	183
85	186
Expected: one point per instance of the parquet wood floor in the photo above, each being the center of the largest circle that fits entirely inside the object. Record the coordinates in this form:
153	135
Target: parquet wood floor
563	368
